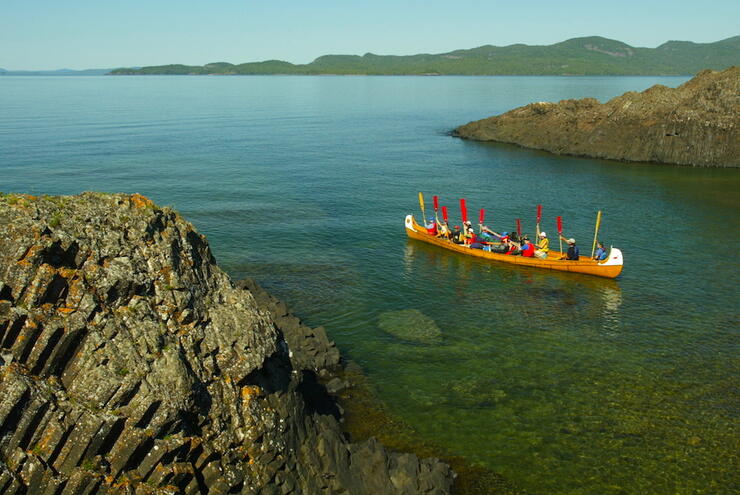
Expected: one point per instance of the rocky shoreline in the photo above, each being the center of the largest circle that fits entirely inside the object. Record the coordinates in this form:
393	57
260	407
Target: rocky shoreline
131	363
696	124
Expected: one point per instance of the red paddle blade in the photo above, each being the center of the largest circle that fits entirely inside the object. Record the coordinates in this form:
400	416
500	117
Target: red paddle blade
482	216
560	224
444	213
519	227
539	213
463	210
436	203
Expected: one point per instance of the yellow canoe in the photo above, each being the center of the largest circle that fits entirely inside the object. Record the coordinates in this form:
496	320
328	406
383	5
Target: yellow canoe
611	267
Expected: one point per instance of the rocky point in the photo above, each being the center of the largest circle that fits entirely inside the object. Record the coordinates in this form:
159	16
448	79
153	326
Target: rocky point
131	363
697	123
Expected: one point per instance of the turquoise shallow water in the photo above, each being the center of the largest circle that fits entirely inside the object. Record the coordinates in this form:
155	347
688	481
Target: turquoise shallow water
561	383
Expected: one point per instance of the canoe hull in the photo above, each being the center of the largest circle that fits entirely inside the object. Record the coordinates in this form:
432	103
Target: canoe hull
609	268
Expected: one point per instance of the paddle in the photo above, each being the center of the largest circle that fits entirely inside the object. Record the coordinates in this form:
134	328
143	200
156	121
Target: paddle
539	217
560	232
436	207
596	232
519	228
423	213
448	232
480	220
464	214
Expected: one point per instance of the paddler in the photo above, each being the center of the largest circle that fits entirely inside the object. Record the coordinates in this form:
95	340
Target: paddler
543	247
431	226
527	248
469	232
457	236
600	252
572	254
444	230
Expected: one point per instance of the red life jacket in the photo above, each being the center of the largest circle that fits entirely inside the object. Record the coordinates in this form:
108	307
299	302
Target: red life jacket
433	230
529	250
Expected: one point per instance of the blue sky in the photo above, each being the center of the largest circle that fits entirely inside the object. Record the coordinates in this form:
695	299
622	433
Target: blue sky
79	34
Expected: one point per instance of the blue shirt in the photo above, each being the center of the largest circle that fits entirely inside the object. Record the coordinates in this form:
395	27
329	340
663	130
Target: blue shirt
600	254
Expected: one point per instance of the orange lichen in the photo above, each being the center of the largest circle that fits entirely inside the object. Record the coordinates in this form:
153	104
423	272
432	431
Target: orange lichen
140	201
250	391
29	254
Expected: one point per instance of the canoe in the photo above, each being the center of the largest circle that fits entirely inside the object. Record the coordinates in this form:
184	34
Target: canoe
611	267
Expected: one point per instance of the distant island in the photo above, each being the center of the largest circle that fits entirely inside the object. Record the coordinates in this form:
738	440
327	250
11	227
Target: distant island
578	56
697	124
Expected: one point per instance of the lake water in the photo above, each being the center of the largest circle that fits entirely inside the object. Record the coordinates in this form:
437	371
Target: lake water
561	383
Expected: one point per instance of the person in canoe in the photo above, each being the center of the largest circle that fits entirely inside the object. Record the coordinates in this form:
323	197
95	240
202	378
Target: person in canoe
601	253
431	226
457	236
444	230
543	247
468	232
527	248
509	246
572	254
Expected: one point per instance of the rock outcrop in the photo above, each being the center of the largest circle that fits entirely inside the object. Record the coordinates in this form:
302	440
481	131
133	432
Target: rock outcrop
697	123
130	363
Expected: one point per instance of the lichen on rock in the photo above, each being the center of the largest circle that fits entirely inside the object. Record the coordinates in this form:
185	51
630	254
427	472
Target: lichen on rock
130	362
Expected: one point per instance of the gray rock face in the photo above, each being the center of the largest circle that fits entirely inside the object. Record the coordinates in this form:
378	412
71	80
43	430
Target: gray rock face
129	362
697	123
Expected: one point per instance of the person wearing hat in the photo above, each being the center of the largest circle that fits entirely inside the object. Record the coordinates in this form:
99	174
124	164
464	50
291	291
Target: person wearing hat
469	232
573	252
503	239
543	247
527	248
431	226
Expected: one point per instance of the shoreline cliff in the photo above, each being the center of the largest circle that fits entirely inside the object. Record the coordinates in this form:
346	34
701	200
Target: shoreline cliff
696	124
131	363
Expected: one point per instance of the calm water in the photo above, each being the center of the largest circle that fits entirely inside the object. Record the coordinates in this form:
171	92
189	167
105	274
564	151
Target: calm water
561	383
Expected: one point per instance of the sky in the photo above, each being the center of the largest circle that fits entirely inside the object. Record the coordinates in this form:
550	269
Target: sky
84	34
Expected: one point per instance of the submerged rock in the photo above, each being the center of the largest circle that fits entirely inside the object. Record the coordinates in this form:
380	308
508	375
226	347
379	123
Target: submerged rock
697	123
131	363
410	324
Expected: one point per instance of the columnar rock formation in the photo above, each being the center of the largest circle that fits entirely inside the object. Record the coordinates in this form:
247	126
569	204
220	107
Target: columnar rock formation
131	363
697	123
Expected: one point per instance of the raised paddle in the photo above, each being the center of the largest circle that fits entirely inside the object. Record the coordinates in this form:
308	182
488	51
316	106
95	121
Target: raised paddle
596	232
480	220
464	214
560	232
436	207
423	213
447	222
539	217
463	211
519	228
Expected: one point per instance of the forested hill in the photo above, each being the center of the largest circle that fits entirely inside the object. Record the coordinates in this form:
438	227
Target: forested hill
578	56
